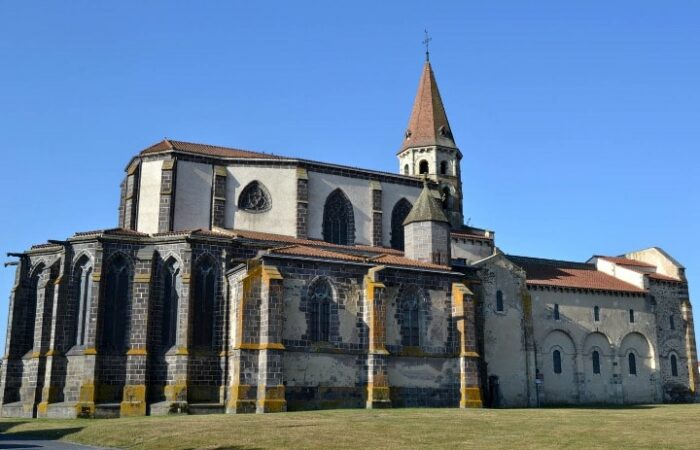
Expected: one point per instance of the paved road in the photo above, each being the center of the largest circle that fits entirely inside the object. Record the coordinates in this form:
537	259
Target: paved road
8	442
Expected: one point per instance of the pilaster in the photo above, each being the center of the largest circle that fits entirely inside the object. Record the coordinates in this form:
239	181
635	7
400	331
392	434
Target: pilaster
302	204
271	392
166	207
134	395
376	202
378	391
131	195
218	207
463	315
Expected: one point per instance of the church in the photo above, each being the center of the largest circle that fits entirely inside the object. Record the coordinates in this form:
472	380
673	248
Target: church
242	282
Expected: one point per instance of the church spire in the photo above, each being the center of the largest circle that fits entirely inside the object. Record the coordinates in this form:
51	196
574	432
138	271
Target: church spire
428	125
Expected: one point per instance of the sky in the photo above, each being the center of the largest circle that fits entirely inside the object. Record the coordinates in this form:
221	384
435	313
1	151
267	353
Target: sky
578	120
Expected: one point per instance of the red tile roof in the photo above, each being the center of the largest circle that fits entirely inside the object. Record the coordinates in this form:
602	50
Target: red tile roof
389	260
626	261
547	272
209	150
662	277
428	124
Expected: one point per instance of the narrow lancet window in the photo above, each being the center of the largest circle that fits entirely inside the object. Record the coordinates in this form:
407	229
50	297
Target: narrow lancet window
203	304
499	301
556	361
596	362
632	363
320	298
410	325
674	366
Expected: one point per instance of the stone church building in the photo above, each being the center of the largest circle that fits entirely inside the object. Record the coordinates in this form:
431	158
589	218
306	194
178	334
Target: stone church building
241	282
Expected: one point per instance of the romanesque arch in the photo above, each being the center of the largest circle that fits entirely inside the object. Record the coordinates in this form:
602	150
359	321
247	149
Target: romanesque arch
398	215
636	356
559	368
597	358
338	219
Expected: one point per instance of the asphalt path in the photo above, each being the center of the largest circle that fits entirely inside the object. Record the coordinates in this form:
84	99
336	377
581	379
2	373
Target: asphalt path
9	442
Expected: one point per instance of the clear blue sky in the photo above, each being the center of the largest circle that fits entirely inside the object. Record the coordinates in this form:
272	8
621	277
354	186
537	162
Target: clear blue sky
579	121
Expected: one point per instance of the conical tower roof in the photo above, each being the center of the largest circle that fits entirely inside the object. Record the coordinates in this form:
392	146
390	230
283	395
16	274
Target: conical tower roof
428	124
426	209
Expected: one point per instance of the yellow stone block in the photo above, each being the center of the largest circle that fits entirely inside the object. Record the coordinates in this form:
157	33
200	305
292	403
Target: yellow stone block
134	403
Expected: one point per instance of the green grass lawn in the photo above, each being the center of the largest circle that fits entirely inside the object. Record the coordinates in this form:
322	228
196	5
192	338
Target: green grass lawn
644	427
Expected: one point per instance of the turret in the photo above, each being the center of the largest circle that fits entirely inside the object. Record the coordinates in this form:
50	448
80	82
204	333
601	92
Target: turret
427	229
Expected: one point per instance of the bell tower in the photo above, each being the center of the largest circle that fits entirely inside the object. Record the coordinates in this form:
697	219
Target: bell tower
429	149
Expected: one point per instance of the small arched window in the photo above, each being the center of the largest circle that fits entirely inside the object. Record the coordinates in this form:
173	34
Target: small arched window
443	168
405	169
556	361
674	366
203	303
556	311
596	362
410	324
171	279
631	316
499	301
338	219
671	323
596	313
255	198
423	167
632	363
320	298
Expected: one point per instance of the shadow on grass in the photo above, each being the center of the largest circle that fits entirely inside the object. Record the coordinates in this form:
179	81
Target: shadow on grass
234	447
49	433
602	407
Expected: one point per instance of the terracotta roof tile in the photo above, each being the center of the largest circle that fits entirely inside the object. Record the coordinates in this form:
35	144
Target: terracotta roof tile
300	250
662	277
393	260
209	150
428	124
626	261
547	272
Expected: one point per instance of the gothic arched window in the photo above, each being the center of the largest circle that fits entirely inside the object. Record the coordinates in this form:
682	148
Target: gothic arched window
410	323
255	198
674	366
170	297
116	304
82	283
338	219
27	313
596	362
632	364
398	215
320	299
423	167
556	361
203	303
443	168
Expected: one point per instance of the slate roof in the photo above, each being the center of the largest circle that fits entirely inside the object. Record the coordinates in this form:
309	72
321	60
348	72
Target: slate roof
427	208
209	150
428	124
568	274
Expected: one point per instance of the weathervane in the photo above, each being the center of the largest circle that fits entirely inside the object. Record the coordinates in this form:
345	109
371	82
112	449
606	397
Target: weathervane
426	42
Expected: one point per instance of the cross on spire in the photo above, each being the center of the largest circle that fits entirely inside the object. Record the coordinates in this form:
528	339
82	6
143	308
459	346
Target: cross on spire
426	42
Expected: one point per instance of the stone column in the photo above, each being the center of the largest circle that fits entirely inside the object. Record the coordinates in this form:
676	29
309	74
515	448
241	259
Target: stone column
177	359
270	377
302	204
463	314
378	393
85	407
376	202
134	395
